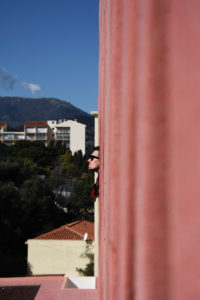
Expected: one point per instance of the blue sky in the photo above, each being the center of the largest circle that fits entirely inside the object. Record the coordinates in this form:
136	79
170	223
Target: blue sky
49	48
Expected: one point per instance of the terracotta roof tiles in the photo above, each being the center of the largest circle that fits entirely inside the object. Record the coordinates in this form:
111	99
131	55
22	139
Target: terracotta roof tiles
82	227
72	231
36	123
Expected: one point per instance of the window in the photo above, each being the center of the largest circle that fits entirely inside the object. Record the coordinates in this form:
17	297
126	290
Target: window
41	136
8	136
30	137
42	129
19	137
63	130
30	129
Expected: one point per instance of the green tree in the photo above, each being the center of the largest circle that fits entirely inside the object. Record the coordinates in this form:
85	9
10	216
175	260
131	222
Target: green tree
89	254
33	179
39	210
4	151
79	201
13	171
12	254
67	163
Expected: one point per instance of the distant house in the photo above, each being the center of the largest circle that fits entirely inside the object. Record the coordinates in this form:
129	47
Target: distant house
71	133
3	126
59	251
37	131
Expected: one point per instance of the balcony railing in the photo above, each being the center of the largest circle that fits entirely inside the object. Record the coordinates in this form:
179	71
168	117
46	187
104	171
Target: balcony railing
30	130
8	136
41	136
19	137
62	137
63	130
30	137
9	143
42	130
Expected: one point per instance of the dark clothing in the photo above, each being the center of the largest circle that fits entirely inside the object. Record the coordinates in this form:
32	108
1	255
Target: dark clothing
95	191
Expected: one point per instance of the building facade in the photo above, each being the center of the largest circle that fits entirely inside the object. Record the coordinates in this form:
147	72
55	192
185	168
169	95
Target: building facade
149	111
61	251
71	133
37	131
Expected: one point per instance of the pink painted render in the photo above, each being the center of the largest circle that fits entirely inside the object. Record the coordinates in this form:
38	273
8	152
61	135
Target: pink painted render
51	288
149	112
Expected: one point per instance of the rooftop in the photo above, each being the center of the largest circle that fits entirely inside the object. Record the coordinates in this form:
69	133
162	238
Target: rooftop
50	287
72	231
36	123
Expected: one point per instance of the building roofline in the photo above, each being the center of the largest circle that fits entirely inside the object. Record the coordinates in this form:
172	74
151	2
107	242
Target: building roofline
48	235
36	123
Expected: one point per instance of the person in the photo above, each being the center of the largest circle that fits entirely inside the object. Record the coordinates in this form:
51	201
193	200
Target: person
93	161
93	165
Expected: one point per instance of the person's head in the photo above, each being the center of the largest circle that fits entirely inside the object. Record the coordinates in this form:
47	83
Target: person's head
93	161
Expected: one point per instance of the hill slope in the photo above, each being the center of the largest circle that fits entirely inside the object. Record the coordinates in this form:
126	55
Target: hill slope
17	110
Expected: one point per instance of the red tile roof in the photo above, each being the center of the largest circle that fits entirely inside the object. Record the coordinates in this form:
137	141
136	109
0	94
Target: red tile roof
72	231
2	123
36	123
82	227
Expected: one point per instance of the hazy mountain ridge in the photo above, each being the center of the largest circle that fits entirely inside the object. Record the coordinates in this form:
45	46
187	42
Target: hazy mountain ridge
17	110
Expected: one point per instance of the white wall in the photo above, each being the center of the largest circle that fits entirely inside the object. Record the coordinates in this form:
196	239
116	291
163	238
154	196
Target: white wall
77	133
56	256
96	127
77	136
81	282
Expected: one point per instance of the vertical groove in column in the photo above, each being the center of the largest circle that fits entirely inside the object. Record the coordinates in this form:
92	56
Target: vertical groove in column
115	136
151	256
106	137
128	145
185	150
104	118
101	142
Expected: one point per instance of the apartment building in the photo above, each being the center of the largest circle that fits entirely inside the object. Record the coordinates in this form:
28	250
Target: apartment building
37	131
71	133
9	137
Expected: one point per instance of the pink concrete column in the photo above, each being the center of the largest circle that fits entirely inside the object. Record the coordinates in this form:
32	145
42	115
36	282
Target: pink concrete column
184	150
149	108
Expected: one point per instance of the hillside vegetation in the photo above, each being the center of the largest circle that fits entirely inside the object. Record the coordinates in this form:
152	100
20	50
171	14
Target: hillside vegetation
32	181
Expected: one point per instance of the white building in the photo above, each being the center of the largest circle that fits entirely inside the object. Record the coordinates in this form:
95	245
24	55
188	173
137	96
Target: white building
61	250
37	131
72	133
